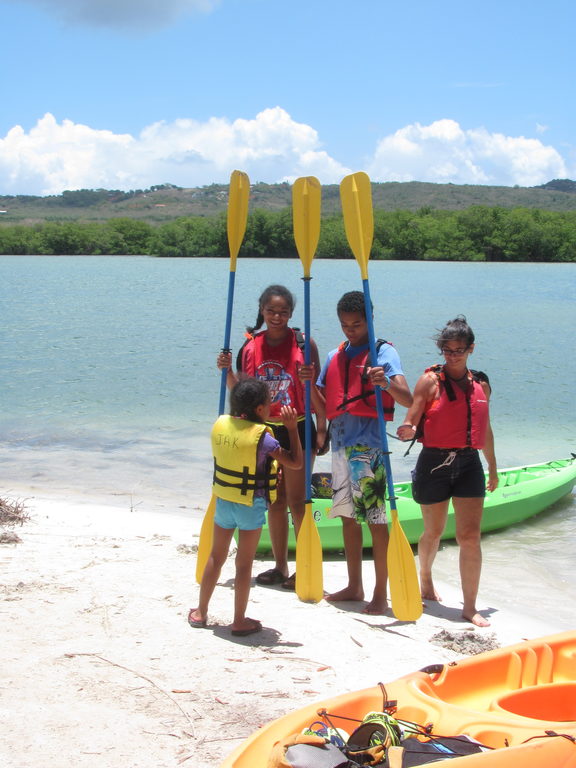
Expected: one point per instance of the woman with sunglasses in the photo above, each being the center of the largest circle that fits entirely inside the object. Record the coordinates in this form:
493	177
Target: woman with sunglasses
450	417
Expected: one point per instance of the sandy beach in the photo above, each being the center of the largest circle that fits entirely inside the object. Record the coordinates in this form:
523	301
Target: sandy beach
100	668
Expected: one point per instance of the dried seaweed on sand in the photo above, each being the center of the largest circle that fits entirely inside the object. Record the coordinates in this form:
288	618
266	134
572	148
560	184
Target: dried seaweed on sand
12	513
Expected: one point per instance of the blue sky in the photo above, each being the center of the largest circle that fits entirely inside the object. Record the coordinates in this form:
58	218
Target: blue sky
124	94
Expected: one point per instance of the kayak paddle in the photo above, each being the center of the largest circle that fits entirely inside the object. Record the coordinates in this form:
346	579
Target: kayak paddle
236	227
306	194
356	196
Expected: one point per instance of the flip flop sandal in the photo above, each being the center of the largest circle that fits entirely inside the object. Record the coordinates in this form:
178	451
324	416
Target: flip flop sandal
195	623
270	577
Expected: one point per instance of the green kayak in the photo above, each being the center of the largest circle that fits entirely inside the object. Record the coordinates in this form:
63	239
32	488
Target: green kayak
522	492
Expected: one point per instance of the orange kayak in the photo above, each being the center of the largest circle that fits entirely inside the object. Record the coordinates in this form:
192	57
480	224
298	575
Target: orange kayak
518	701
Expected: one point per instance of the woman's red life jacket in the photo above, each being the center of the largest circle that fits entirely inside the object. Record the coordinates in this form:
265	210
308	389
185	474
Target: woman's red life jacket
278	367
456	419
348	389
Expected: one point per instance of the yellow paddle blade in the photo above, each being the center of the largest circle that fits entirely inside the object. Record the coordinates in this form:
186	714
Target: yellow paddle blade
356	197
205	541
309	581
306	201
237	213
402	576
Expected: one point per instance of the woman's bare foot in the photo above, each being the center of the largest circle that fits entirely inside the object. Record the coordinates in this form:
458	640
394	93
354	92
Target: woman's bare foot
245	627
345	595
428	591
376	607
477	619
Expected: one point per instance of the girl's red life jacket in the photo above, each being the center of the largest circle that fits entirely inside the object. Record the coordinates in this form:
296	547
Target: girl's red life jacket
348	389
278	367
456	419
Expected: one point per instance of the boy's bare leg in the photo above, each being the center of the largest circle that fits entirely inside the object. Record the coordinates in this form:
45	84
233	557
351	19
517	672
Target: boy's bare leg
379	603
352	533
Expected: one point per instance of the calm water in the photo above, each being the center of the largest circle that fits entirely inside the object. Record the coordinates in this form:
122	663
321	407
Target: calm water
109	384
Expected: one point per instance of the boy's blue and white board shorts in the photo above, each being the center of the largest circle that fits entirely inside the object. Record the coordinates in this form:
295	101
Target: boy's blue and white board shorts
359	484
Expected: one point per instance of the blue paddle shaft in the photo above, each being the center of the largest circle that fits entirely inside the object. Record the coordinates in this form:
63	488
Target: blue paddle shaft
308	396
379	406
227	333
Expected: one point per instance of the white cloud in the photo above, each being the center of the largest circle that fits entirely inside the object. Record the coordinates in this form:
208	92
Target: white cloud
56	156
445	152
271	147
122	14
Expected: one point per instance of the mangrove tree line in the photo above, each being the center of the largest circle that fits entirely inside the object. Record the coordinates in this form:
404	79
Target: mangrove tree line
479	233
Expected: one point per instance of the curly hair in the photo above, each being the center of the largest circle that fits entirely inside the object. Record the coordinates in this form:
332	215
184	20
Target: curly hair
353	301
245	397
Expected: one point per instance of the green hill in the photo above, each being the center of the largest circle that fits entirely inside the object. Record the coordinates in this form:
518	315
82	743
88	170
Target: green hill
166	202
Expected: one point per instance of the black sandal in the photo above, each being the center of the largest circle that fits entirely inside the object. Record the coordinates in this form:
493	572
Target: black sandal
289	583
270	578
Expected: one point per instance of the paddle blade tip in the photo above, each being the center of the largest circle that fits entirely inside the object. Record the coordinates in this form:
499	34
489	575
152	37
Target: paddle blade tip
406	615
309	578
239	178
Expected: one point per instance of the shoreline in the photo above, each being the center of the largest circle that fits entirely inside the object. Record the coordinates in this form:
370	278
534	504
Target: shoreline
101	668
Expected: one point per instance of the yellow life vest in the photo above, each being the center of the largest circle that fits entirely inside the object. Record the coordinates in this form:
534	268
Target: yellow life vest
235	448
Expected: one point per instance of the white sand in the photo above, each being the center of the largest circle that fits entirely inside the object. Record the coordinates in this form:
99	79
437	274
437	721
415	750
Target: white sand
100	668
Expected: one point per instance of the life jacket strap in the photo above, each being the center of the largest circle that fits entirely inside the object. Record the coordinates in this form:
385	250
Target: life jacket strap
247	481
368	393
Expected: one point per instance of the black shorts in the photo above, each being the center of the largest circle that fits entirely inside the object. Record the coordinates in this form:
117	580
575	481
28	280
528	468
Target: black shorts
440	474
281	434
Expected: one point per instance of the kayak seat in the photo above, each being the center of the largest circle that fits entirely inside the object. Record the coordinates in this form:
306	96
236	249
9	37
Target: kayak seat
553	703
513	478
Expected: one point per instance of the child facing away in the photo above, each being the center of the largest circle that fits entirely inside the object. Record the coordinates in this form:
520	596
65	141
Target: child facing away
358	470
246	457
275	355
